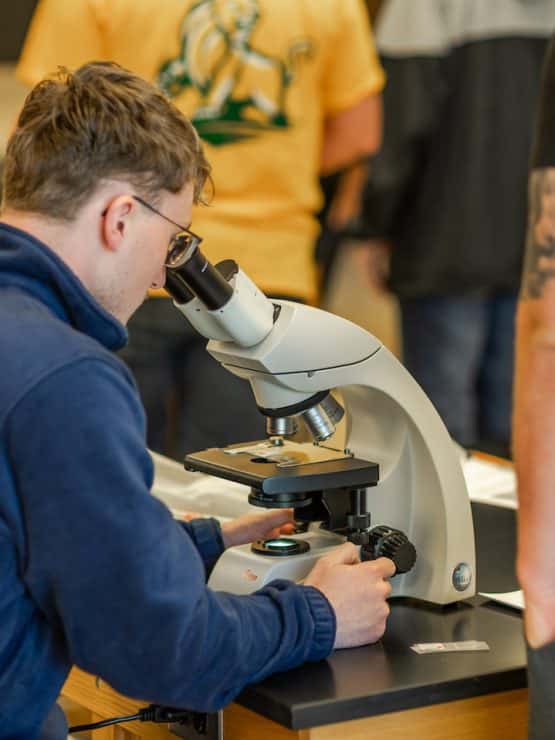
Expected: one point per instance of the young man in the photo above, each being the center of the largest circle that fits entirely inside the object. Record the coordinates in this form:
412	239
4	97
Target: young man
95	572
534	420
280	91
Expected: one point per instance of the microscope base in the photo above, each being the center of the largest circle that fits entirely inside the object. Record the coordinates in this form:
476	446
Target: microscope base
242	571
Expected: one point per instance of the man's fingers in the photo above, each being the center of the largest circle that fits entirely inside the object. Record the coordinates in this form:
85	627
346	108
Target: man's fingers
384	567
346	554
278	517
288	528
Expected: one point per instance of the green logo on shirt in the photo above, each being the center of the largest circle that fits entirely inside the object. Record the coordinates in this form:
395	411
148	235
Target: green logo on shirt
242	91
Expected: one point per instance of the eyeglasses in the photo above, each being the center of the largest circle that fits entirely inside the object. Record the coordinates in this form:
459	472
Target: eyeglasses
180	243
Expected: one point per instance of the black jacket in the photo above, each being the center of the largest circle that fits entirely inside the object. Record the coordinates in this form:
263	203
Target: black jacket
448	188
543	154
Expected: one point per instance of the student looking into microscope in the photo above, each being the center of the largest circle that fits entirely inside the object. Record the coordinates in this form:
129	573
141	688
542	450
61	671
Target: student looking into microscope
96	572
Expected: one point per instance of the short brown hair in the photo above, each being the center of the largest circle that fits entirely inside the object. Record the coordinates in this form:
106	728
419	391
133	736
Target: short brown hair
100	122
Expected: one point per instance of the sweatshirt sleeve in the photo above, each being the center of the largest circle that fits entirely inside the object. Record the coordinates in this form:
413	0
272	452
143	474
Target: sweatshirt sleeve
206	533
60	33
352	69
117	577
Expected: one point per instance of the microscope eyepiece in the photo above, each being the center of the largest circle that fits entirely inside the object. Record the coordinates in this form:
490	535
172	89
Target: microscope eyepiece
201	277
178	288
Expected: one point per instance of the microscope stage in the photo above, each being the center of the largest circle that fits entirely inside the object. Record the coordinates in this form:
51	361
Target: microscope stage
285	469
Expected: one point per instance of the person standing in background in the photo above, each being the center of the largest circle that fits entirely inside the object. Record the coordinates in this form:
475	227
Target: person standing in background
280	92
342	202
446	194
534	420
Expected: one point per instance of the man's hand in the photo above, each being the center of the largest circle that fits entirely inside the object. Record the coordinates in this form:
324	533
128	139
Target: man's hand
262	526
357	591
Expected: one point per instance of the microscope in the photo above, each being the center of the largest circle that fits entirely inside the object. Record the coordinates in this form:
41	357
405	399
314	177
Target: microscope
354	445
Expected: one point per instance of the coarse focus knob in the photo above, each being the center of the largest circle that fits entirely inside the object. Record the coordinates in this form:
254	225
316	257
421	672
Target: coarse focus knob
386	542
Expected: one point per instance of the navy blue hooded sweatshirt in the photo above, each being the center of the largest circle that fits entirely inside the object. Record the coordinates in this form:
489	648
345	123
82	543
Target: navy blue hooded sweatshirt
93	569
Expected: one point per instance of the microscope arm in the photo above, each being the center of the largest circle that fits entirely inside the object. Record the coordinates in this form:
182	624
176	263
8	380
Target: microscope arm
292	355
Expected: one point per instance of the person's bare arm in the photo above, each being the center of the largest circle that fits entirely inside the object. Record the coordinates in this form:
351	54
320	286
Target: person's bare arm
346	202
352	134
534	413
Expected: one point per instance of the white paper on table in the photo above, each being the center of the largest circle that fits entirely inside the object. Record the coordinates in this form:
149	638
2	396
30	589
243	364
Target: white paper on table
183	491
515	599
490	483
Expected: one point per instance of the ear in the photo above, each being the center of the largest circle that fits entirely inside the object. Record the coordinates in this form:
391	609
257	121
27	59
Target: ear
116	221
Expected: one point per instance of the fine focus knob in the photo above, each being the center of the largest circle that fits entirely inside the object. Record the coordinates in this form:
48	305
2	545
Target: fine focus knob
386	542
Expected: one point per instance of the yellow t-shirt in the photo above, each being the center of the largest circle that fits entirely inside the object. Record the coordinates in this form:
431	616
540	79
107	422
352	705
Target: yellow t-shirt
258	78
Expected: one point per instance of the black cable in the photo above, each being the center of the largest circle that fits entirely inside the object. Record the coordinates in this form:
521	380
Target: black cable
104	723
152	713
